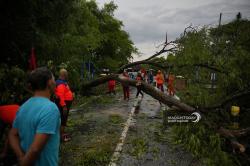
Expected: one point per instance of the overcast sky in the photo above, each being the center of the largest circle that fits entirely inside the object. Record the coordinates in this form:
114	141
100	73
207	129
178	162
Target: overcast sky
147	21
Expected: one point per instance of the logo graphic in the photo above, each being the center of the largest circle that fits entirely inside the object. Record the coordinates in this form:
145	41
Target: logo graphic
195	117
198	117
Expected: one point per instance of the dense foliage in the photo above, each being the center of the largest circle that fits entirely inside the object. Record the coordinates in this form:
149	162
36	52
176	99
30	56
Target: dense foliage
223	50
64	33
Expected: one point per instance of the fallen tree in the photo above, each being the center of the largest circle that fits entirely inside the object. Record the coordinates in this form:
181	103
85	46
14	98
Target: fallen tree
232	136
147	88
158	95
164	98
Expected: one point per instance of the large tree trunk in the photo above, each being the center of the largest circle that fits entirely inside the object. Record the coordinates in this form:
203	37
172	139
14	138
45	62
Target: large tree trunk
158	95
149	89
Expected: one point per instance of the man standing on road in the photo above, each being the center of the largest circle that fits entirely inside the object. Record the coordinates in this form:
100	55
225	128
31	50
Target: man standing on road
171	79
125	86
35	136
64	100
150	77
139	80
159	80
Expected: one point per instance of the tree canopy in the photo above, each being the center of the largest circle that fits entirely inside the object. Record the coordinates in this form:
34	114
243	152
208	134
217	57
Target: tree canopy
64	33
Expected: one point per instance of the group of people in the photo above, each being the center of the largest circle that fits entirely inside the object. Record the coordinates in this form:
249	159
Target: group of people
160	80
39	123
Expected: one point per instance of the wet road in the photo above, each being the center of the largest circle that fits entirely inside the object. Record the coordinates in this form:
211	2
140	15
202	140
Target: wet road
97	128
148	144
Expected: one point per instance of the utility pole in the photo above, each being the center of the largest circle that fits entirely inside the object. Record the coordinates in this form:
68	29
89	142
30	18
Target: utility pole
166	41
220	19
213	74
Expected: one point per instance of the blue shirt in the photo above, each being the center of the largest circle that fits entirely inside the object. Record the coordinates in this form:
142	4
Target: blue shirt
39	115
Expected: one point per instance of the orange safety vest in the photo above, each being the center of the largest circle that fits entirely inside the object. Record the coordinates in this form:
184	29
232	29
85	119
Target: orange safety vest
159	79
64	93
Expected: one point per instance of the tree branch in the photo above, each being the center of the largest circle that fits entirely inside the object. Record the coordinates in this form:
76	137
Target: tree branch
146	61
229	99
204	65
143	62
231	135
189	27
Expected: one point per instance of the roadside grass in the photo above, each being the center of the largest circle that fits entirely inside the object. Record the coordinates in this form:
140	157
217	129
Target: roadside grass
96	151
139	147
94	134
115	119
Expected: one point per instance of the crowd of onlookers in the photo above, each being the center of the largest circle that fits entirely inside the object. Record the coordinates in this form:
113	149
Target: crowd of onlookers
38	125
160	80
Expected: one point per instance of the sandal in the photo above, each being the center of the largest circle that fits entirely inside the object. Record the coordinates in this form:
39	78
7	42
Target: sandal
66	138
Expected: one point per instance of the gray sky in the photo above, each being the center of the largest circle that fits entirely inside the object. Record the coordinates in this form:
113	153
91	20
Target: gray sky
147	21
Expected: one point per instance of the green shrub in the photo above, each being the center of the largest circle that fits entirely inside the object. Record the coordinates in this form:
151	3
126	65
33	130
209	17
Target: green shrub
203	143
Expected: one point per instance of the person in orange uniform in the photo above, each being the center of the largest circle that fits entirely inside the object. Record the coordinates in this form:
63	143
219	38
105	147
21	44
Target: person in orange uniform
159	80
171	79
7	117
64	100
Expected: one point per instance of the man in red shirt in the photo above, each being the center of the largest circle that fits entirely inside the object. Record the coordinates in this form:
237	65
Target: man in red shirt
125	86
64	100
111	86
